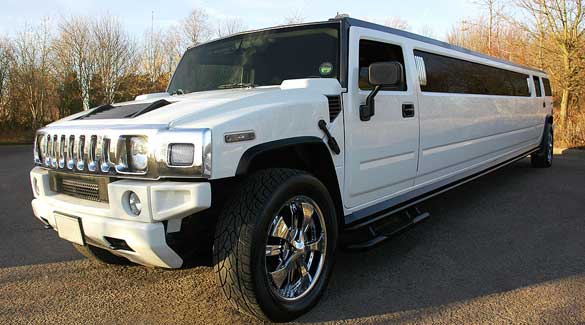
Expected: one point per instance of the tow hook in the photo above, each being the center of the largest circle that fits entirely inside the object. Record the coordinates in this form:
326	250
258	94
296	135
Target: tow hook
331	142
46	224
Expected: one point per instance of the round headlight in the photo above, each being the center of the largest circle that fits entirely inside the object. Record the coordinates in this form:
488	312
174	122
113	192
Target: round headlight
138	153
134	204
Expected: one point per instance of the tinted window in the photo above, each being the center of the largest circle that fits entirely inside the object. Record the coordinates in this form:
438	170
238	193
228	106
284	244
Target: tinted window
547	89
537	86
372	52
450	75
260	59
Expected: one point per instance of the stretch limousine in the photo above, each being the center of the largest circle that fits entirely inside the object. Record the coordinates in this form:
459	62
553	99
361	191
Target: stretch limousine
272	148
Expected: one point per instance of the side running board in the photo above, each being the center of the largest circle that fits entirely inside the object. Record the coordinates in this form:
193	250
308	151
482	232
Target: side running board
373	234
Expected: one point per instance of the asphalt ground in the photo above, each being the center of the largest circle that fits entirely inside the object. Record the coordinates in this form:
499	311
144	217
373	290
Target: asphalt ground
506	248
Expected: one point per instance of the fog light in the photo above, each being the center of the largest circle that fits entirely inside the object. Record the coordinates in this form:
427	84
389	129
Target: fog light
134	204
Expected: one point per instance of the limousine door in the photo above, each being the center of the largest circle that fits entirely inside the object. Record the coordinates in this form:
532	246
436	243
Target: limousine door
382	153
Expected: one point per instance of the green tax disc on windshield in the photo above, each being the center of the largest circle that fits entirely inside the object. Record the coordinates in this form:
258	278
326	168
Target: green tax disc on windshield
325	69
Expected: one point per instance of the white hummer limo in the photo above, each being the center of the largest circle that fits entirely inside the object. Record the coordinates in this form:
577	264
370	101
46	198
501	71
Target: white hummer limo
273	148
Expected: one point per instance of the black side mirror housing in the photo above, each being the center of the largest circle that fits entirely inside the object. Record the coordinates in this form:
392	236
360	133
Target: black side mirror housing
380	75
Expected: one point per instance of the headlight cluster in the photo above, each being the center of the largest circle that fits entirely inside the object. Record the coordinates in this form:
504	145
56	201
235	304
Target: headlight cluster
145	153
133	154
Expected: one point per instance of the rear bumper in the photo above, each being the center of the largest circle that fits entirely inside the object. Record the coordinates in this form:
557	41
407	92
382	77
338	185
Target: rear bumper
165	204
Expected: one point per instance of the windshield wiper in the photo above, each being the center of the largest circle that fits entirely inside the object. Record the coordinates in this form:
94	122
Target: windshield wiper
238	85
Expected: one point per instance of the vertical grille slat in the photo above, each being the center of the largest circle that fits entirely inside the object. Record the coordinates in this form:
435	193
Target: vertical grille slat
71	153
334	107
81	153
92	154
76	152
62	151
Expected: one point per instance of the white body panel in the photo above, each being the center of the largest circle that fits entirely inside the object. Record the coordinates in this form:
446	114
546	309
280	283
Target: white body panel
460	130
460	134
381	154
383	162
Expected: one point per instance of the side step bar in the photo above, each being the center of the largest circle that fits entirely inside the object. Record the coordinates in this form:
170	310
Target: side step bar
375	233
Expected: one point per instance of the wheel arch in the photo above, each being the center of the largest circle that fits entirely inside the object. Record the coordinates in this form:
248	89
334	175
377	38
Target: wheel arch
308	154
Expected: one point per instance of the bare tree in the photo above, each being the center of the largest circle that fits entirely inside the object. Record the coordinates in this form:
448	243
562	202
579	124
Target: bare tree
153	57
6	59
115	55
174	47
295	17
196	27
563	21
428	31
33	84
229	26
494	13
75	49
397	22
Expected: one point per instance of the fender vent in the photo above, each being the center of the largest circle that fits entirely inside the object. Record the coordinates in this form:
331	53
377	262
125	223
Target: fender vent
334	107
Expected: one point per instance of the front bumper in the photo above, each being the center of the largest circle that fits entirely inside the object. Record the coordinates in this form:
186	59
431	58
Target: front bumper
165	204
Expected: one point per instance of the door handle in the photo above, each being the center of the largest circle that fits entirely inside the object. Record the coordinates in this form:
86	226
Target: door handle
407	110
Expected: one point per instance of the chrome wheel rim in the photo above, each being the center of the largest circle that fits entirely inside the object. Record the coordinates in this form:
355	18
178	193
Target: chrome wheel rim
295	249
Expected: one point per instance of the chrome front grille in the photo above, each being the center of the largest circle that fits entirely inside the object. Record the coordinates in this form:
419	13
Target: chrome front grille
81	189
92	151
82	153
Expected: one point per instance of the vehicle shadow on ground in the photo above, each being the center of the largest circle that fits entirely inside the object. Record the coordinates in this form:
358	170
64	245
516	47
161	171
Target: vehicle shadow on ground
502	232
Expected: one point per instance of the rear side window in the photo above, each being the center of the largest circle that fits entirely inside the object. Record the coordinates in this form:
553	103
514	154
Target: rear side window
537	86
451	75
547	89
372	52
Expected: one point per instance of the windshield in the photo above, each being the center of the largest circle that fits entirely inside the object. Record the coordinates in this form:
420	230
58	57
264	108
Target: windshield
260	59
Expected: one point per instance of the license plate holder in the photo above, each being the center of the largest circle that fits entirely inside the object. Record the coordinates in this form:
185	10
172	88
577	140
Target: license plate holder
70	228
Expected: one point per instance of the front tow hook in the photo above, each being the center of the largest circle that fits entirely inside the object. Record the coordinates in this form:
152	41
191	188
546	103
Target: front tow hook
46	224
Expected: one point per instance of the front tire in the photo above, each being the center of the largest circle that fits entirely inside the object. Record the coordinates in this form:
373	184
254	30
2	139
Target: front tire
275	243
544	157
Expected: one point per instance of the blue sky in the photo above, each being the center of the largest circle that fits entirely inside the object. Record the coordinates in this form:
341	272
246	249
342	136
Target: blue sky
437	15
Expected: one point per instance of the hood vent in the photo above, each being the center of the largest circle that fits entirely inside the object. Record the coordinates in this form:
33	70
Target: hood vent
334	107
109	111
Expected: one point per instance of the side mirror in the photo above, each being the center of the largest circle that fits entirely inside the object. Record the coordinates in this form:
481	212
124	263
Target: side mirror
380	75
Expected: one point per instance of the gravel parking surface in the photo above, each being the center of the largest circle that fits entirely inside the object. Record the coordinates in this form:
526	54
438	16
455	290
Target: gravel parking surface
507	248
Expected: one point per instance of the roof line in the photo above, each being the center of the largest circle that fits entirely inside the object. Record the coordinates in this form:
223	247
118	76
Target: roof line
428	40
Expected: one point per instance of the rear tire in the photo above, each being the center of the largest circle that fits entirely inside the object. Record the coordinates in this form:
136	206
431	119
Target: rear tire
260	259
544	157
99	255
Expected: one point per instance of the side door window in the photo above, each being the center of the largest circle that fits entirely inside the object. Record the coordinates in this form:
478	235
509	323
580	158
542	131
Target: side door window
547	88
372	52
537	86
